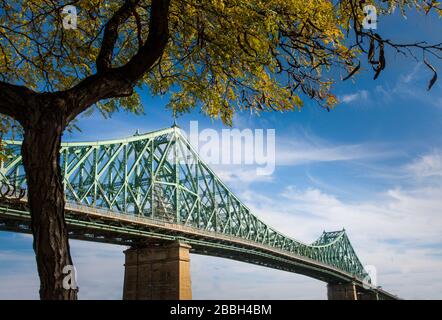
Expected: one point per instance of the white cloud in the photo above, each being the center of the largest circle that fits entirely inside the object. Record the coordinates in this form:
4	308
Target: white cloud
239	174
308	149
357	97
411	86
302	149
310	195
413	75
217	278
428	165
399	232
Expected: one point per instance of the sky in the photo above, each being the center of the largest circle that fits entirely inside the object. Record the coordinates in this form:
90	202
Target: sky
372	166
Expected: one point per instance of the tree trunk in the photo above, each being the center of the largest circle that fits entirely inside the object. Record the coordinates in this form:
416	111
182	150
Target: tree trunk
41	160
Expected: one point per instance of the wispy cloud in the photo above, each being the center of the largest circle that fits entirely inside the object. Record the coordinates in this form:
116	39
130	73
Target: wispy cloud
399	233
309	148
427	165
397	230
412	86
356	97
239	174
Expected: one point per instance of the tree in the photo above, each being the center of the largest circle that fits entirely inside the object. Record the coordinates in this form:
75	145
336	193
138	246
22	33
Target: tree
220	55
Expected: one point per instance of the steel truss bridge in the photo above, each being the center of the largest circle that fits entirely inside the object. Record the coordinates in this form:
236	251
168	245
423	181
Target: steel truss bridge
153	187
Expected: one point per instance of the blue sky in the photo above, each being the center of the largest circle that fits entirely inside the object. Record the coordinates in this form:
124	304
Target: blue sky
373	165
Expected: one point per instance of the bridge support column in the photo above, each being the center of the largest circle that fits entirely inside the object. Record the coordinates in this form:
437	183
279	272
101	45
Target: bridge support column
342	291
368	295
158	272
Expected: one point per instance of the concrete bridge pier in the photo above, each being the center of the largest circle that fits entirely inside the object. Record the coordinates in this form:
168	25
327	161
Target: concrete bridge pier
158	271
341	291
349	291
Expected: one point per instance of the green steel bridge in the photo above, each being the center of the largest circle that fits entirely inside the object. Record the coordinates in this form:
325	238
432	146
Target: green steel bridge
154	187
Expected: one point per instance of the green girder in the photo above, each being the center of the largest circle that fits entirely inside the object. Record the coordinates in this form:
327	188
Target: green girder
160	176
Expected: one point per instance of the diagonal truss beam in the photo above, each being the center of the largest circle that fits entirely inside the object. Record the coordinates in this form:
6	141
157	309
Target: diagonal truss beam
160	175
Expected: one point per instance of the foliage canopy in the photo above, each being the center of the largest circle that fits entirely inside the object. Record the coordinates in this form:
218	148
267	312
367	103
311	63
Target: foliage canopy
221	55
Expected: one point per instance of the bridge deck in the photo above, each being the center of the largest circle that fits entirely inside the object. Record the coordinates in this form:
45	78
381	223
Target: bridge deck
93	224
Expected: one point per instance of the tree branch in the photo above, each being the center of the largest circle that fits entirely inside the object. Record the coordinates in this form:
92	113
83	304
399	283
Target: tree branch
104	59
119	82
15	100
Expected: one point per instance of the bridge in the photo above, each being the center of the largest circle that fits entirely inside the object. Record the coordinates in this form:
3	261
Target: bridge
152	193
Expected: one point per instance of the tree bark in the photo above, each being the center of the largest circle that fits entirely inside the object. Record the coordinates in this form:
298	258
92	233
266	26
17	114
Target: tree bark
44	117
41	160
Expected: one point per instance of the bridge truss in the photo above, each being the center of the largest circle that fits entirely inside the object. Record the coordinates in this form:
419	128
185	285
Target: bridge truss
159	177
